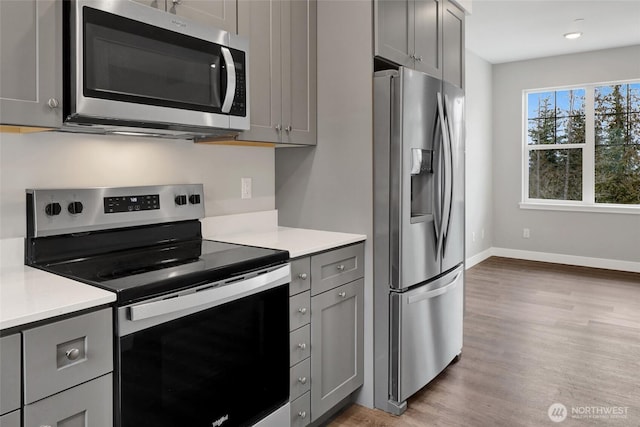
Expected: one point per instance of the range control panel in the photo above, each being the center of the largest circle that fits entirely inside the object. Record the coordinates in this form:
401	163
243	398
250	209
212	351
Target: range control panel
144	202
64	211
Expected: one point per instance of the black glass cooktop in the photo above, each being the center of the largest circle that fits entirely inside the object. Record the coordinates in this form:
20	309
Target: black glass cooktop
145	272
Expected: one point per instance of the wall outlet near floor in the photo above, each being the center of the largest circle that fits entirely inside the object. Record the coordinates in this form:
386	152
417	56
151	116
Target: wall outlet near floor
245	191
526	233
473	236
482	234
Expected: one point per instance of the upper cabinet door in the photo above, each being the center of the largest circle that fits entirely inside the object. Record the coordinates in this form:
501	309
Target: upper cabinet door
394	30
282	69
260	21
453	44
428	37
299	59
31	58
216	13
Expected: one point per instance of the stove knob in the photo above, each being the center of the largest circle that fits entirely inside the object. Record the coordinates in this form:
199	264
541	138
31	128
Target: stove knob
194	199
52	209
181	200
75	208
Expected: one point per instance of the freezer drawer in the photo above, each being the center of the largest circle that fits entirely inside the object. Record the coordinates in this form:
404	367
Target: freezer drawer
426	333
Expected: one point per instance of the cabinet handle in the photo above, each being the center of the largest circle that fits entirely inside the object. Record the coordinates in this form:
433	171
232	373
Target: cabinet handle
419	58
288	128
302	380
72	354
278	128
342	294
341	267
53	103
303	276
302	414
412	56
302	310
176	2
302	346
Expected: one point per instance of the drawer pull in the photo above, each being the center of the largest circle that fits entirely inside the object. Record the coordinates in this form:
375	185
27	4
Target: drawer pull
302	276
302	380
342	294
302	414
341	267
302	310
302	346
72	354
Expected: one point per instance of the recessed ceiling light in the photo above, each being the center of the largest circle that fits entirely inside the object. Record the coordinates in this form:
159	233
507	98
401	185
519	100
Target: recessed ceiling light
572	36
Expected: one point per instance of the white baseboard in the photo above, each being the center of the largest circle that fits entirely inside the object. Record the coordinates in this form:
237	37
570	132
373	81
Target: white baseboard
609	264
478	258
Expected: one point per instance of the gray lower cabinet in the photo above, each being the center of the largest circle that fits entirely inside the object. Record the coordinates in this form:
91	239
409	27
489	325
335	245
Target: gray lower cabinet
31	58
326	320
66	371
86	405
10	379
337	345
282	69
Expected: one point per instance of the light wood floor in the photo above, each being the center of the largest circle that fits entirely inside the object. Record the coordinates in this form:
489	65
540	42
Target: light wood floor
535	334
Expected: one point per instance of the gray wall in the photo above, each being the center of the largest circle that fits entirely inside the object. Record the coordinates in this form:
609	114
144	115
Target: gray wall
330	187
479	155
49	160
596	235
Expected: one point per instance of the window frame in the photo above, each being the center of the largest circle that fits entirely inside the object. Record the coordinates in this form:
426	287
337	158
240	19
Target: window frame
587	204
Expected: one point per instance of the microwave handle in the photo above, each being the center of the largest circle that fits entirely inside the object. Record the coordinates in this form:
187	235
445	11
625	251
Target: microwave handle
231	80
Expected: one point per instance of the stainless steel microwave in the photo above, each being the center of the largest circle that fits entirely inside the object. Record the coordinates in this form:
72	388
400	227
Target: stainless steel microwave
133	69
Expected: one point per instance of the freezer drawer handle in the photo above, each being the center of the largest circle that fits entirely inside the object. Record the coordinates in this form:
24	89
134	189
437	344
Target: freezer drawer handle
435	292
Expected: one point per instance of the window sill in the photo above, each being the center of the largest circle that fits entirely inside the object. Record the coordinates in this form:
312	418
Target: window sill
579	207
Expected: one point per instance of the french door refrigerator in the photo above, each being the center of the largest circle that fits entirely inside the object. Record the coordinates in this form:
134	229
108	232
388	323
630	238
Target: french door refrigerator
418	232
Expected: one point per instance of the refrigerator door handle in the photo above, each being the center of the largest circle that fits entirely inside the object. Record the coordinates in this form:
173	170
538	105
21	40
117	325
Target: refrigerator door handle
434	293
451	175
447	169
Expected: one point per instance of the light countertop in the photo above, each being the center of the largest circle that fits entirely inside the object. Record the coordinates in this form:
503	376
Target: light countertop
264	232
29	295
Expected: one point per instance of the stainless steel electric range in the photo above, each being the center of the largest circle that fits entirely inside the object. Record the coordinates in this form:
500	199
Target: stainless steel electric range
201	327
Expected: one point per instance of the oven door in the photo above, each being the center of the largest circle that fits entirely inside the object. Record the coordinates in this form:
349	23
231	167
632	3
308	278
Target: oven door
216	355
138	64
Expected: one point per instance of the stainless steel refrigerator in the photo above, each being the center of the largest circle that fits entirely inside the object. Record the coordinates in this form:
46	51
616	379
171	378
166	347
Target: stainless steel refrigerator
418	232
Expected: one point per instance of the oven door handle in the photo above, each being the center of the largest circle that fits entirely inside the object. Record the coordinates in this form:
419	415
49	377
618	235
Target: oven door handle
209	298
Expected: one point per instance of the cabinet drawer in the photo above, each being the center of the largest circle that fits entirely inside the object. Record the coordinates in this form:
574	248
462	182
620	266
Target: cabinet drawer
300	379
9	373
87	405
335	268
10	420
60	355
300	275
299	345
299	310
300	409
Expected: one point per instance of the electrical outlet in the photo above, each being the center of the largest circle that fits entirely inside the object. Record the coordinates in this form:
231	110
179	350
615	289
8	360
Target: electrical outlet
245	191
482	234
526	233
473	236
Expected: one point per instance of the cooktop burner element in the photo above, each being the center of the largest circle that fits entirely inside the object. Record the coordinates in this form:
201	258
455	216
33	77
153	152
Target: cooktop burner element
139	242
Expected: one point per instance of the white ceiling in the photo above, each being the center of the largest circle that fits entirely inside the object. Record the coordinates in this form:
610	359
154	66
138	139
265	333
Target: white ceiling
512	30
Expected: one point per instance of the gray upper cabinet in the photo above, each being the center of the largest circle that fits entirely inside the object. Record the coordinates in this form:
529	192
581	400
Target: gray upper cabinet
409	33
282	61
216	13
31	58
453	44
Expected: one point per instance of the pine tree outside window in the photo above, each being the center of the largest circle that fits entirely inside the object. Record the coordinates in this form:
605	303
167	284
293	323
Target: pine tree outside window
582	148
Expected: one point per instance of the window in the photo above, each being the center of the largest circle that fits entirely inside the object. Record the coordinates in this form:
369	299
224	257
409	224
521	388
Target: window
582	147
